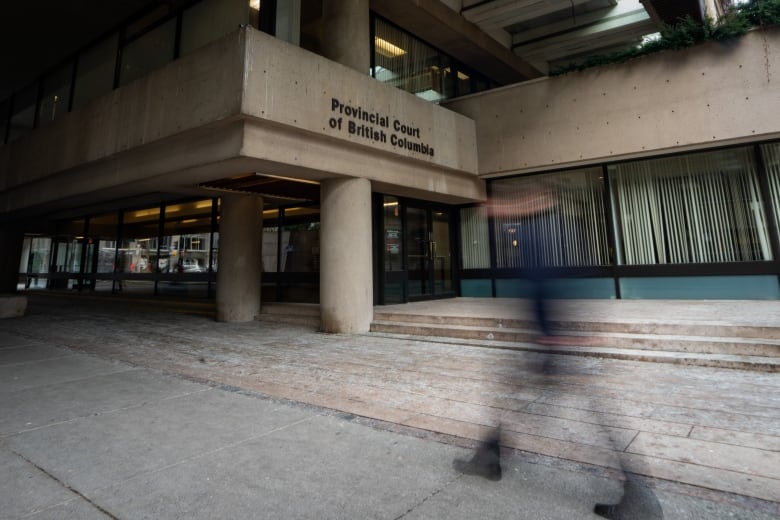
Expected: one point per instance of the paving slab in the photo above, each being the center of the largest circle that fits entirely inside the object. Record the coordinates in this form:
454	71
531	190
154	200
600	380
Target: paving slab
33	408
123	445
154	414
24	488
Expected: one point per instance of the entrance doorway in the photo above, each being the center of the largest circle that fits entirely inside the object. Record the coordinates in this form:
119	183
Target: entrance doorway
414	251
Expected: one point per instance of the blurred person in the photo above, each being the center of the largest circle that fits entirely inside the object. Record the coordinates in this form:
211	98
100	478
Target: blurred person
534	211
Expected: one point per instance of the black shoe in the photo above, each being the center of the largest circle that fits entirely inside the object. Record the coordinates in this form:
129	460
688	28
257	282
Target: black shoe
485	463
638	503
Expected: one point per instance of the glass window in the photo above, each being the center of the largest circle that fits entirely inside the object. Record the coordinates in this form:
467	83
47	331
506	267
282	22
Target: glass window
300	252
474	236
186	243
210	19
393	234
5	108
771	154
271	240
408	63
551	220
699	208
150	51
95	71
138	249
35	261
103	234
56	94
405	62
23	112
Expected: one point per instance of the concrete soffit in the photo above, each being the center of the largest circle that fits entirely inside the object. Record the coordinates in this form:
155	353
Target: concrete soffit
447	30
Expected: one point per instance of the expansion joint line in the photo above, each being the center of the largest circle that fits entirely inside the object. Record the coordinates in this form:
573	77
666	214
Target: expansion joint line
424	500
66	486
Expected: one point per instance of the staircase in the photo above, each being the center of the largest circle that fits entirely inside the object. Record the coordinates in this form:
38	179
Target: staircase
751	344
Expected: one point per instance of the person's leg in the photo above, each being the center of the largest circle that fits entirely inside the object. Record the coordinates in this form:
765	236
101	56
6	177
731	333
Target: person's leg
486	461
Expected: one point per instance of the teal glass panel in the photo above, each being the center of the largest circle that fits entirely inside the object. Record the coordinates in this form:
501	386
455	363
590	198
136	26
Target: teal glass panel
702	287
476	288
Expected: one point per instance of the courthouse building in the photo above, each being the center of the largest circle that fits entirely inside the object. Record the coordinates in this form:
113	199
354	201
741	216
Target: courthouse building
340	152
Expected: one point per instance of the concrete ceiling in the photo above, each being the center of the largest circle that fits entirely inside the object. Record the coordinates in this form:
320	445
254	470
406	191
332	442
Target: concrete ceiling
549	33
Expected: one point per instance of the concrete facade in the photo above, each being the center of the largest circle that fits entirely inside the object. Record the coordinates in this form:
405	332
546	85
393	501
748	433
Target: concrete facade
711	95
124	141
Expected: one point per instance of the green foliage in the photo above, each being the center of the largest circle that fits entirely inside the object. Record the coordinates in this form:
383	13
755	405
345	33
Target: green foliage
687	32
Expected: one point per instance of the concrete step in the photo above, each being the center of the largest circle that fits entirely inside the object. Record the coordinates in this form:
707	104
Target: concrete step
740	362
305	314
624	340
721	328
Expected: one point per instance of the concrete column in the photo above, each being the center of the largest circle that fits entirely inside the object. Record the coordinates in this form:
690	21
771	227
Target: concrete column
345	33
346	281
240	258
11	241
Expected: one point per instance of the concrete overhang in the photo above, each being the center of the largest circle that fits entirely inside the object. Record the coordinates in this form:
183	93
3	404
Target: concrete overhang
437	24
670	11
245	103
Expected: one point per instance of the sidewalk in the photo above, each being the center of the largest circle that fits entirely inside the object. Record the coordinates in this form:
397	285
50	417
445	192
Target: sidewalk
123	411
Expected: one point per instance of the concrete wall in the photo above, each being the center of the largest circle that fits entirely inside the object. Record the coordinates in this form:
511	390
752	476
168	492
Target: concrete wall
181	96
295	88
711	95
248	102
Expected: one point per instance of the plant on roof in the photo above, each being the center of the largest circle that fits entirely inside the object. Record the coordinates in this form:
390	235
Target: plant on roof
687	32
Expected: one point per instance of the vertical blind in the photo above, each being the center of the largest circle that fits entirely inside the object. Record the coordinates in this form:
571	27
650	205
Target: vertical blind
700	208
771	154
474	238
571	233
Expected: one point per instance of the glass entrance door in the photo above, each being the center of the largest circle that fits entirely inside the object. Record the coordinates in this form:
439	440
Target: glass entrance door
428	253
414	250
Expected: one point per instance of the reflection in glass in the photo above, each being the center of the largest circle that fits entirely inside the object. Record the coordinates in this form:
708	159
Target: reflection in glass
23	113
440	252
186	248
56	94
300	241
103	251
208	20
35	260
417	252
149	52
95	71
393	234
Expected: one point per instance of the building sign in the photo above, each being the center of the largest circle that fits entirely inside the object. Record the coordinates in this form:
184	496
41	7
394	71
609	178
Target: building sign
377	127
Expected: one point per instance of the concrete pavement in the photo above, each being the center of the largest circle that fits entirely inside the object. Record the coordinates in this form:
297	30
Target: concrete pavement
119	411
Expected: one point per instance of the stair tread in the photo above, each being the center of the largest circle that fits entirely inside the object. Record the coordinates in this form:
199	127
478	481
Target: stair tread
627	335
563	349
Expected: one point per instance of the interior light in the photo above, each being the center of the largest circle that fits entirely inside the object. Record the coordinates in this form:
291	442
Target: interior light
189	221
387	49
291	179
462	76
203	204
146	213
254	4
386	204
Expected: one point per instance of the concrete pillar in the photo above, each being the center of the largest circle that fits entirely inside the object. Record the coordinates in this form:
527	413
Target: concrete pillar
240	258
346	281
345	33
11	241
